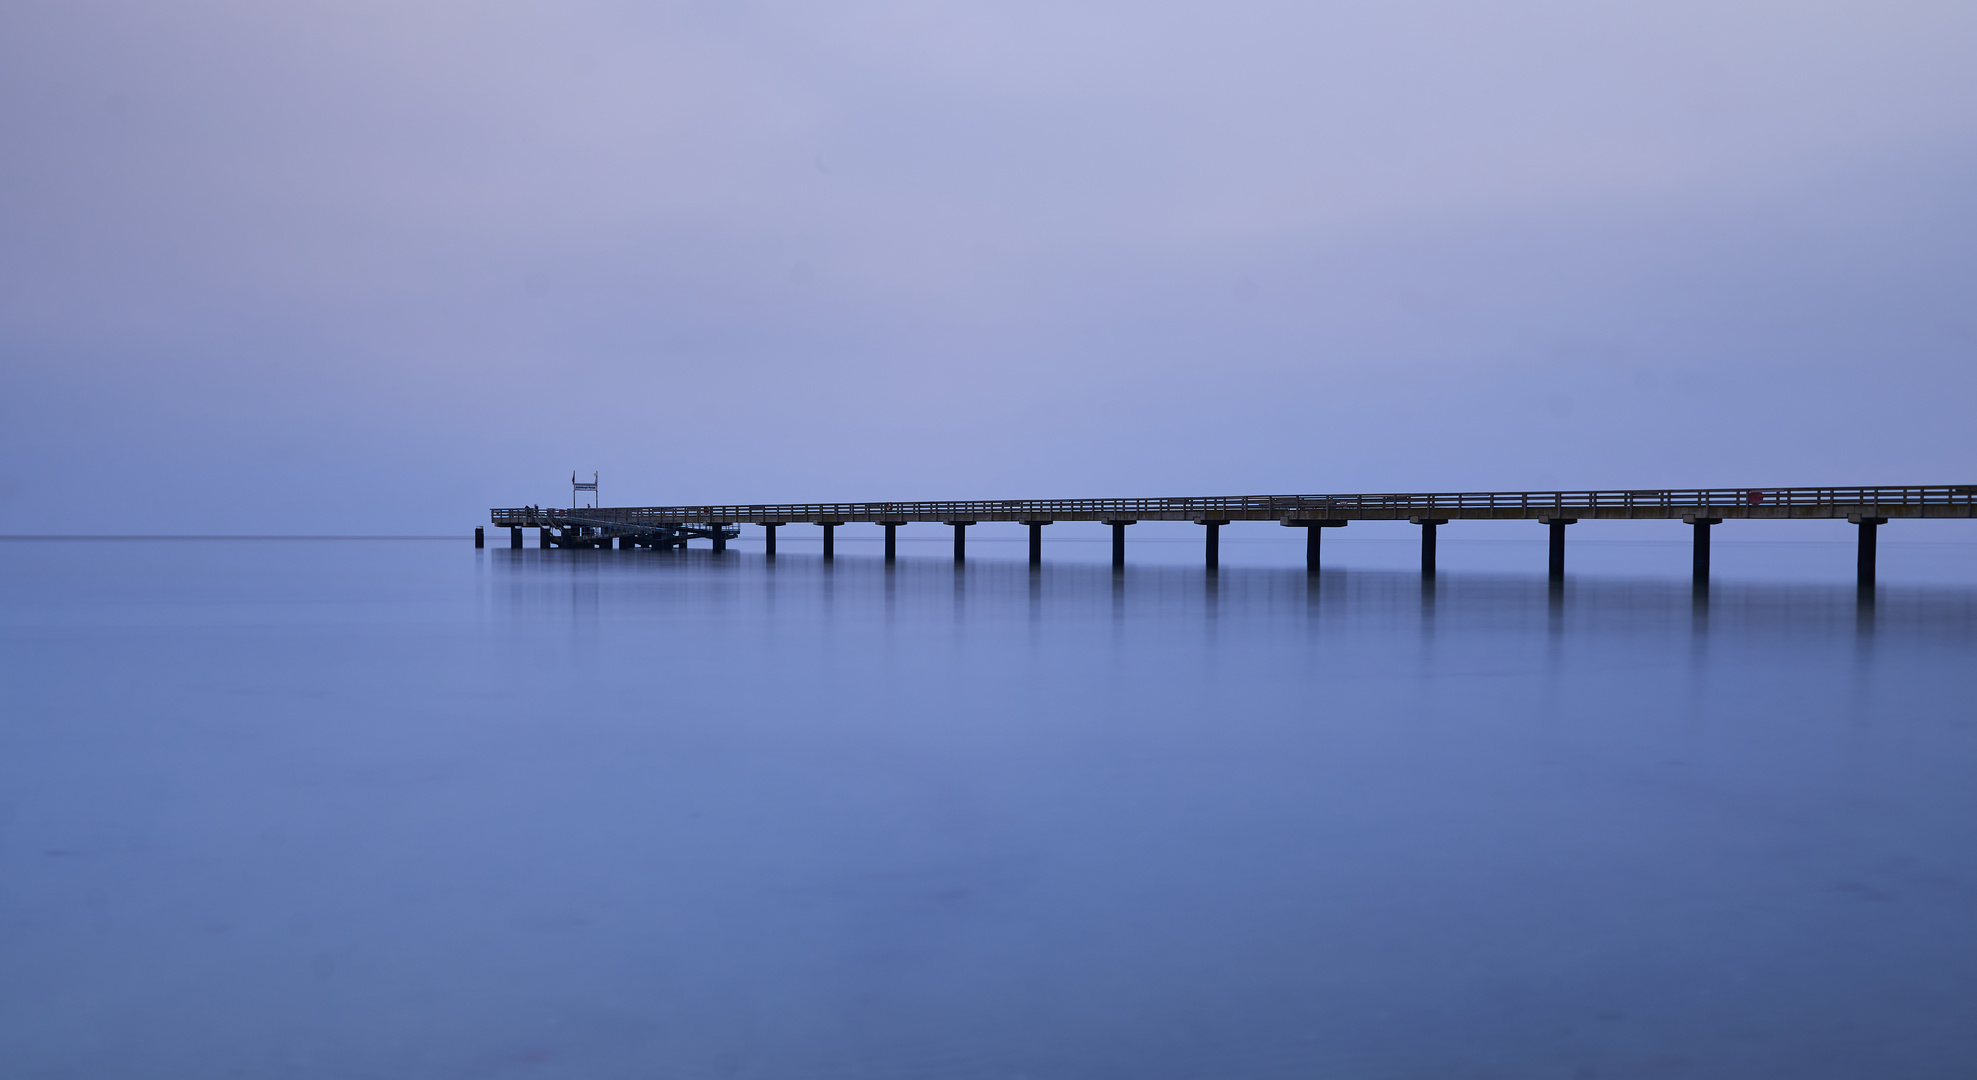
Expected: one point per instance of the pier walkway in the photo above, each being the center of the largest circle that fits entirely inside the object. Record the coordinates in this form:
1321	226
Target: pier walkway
667	526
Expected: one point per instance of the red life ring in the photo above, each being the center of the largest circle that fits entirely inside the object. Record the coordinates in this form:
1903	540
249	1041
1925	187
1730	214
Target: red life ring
1756	497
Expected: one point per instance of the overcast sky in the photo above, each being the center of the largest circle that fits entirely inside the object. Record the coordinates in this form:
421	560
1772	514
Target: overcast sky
373	268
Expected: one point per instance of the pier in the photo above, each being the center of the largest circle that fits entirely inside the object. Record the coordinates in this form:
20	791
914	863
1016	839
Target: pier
1700	508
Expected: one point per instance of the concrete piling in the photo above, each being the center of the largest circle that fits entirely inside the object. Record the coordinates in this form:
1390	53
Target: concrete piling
960	540
1699	549
1212	553
1869	540
1428	542
1556	567
1313	537
1119	542
1036	541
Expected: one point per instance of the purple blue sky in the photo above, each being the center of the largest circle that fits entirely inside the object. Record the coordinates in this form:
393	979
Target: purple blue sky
375	267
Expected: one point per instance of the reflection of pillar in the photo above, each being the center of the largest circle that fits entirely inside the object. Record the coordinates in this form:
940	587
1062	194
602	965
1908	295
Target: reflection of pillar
1036	541
1864	561
1699	557
1213	554
1557	564
1428	543
480	538
514	536
1119	543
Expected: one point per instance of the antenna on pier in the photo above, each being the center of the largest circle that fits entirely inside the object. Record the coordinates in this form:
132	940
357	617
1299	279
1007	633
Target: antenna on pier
578	486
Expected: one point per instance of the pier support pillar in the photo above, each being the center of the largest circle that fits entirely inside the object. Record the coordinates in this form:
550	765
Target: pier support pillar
1699	558
720	534
892	540
1119	543
1864	561
769	539
1428	542
1213	552
480	537
1036	541
514	536
1312	537
830	538
1556	569
542	538
960	540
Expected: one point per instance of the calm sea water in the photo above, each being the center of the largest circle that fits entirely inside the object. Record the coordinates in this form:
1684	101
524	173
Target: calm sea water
405	809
